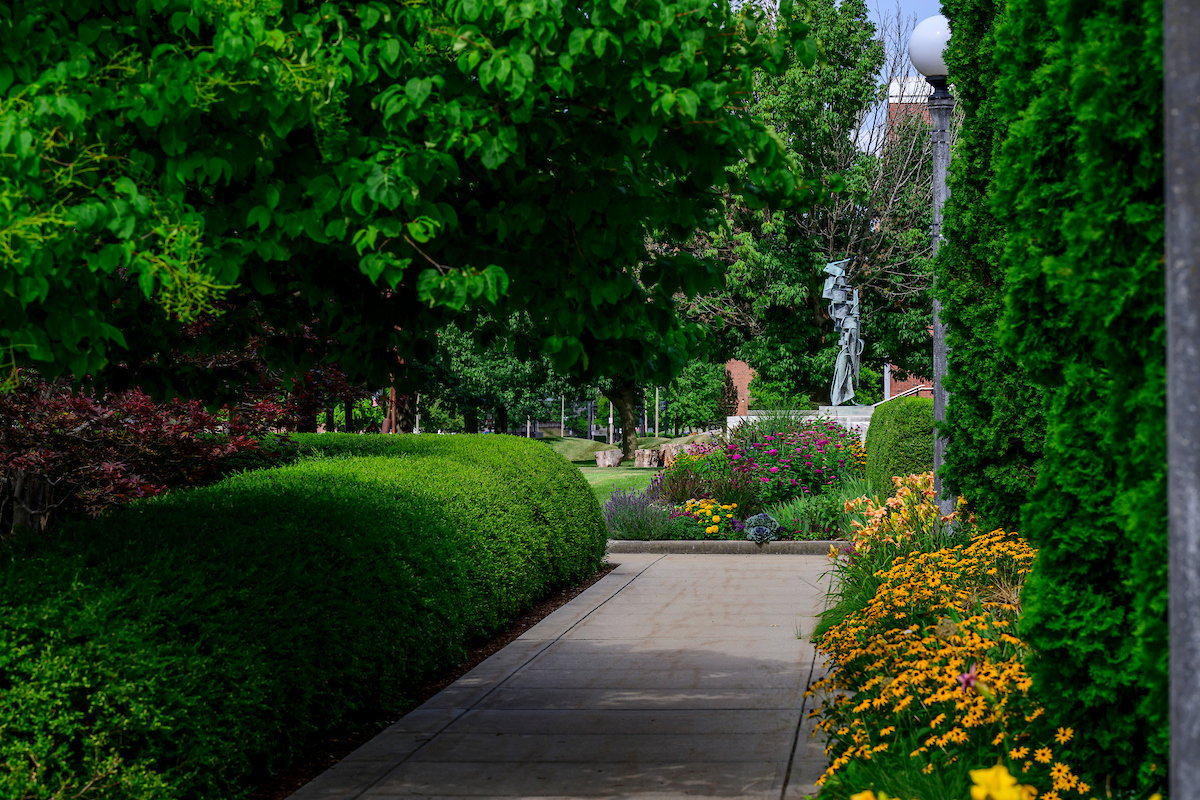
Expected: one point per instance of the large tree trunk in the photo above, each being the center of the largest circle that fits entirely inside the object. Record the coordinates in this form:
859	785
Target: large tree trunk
623	398
30	503
349	404
406	413
389	416
471	419
501	420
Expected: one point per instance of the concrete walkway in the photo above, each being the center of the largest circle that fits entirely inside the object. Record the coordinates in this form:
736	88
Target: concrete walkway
673	676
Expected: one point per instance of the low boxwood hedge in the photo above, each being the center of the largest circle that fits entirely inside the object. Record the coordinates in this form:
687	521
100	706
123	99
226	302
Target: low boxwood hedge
187	645
899	440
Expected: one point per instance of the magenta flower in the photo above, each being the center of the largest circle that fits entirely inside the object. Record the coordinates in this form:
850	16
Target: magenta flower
772	452
967	680
774	469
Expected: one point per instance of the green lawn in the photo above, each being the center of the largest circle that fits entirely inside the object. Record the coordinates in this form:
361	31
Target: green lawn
604	481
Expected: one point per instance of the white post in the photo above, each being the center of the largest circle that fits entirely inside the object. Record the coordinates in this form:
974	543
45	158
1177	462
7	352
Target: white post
562	423
528	430
417	424
610	422
887	381
656	407
645	412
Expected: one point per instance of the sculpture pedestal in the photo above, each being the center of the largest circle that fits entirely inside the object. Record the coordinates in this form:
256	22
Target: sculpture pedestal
856	418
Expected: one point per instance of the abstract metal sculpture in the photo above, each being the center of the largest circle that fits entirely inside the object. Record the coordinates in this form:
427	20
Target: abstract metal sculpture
843	309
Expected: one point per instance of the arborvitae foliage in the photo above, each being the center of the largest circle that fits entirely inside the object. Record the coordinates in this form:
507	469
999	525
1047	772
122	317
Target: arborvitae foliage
1078	189
994	421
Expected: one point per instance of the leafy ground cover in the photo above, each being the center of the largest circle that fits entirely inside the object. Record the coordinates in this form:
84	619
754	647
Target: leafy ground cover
190	644
928	689
800	473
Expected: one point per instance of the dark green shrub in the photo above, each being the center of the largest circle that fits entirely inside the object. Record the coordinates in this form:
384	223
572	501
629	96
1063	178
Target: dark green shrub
995	425
184	646
1079	190
899	440
1052	281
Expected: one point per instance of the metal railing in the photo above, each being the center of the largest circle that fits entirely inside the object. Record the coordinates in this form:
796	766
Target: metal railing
914	390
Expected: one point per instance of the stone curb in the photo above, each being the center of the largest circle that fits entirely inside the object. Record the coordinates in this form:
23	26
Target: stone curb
721	546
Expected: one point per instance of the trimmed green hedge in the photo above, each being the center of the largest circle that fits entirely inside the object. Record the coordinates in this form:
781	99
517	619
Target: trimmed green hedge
899	440
186	646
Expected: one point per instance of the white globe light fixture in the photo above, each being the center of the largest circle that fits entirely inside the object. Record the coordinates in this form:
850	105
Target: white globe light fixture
927	45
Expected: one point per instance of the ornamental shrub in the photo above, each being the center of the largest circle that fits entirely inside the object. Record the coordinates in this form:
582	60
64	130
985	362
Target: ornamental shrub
65	452
640	515
899	440
188	644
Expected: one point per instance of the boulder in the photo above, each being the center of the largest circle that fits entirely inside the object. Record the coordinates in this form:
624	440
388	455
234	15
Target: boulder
647	458
608	458
669	451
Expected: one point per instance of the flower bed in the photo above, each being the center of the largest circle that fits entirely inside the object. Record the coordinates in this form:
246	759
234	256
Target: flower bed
928	689
710	490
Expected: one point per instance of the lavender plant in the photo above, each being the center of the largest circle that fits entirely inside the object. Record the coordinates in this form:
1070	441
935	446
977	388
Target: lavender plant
639	515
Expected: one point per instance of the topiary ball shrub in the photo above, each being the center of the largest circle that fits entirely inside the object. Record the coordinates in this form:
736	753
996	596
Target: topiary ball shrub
899	440
762	528
188	645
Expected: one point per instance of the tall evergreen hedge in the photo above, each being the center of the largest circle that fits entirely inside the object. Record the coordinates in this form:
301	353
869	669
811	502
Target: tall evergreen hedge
1070	91
994	419
899	440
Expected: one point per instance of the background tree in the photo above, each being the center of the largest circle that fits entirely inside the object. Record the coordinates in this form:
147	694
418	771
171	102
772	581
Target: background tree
369	173
697	397
472	378
837	119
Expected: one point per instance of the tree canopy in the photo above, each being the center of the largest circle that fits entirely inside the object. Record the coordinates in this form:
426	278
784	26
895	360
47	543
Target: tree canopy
370	171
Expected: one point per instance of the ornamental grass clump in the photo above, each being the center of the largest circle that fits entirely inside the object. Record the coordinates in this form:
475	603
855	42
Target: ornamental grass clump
928	679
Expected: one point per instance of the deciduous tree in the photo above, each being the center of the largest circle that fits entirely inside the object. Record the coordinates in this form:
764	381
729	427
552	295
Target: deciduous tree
370	170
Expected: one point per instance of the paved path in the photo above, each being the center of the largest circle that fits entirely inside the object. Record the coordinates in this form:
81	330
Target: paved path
673	676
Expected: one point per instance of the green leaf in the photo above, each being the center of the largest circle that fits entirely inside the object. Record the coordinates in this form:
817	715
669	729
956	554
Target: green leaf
577	40
417	89
390	51
260	215
688	101
423	229
497	283
262	282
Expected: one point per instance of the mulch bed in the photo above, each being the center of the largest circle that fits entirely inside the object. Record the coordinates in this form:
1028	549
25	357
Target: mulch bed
340	744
